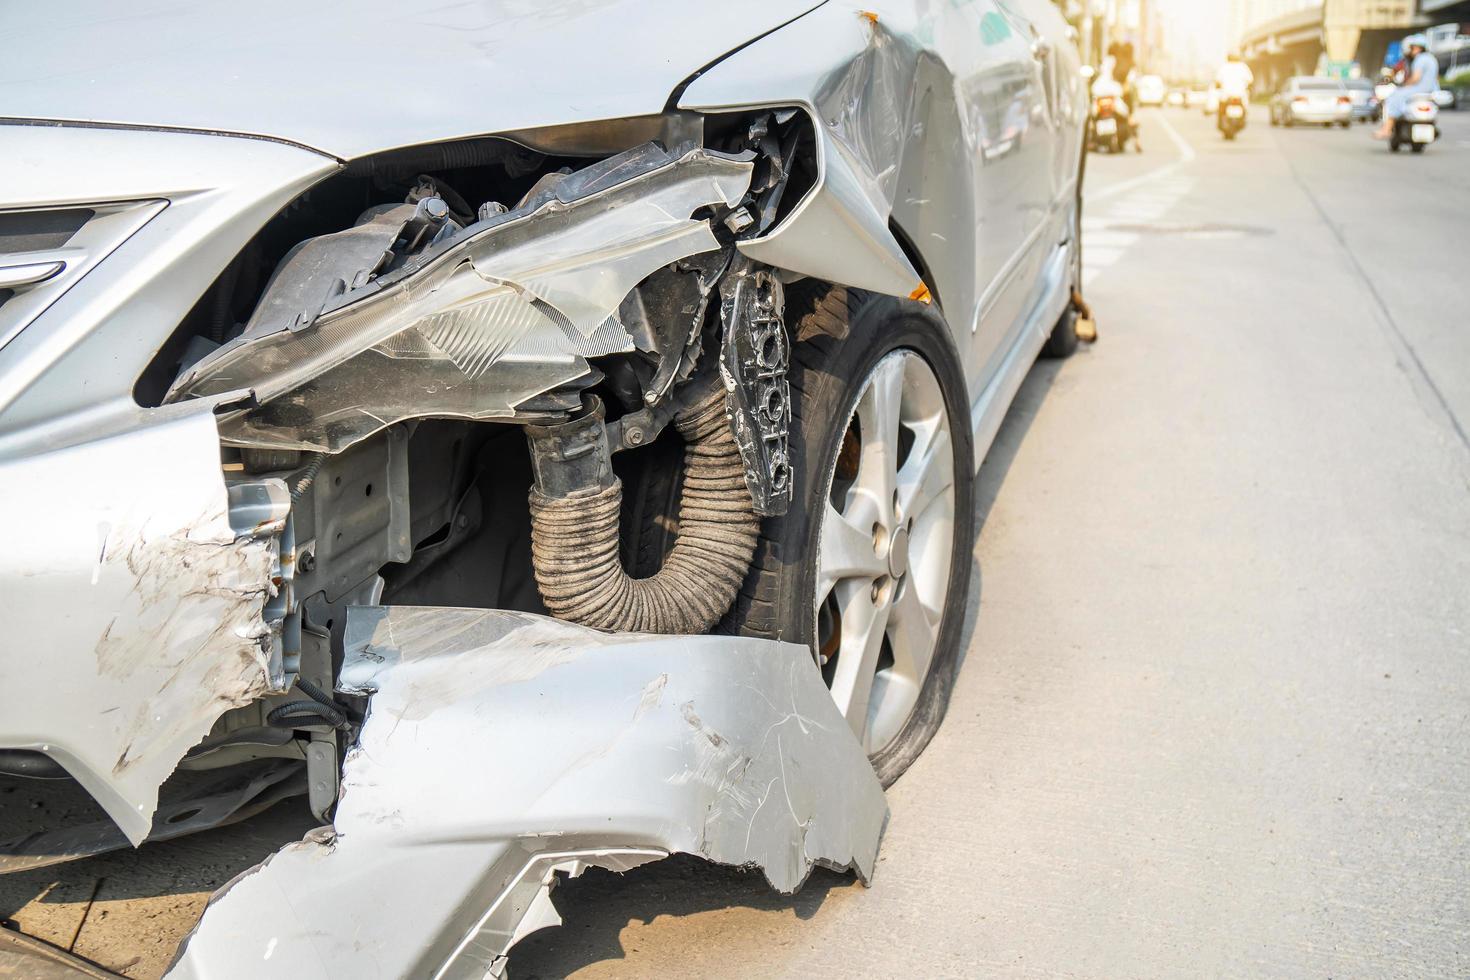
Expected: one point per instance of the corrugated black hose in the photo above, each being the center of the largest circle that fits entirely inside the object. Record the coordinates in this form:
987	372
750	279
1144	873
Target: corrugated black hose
575	506
322	709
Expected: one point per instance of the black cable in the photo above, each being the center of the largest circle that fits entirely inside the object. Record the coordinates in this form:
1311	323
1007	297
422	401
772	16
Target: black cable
322	709
294	714
322	697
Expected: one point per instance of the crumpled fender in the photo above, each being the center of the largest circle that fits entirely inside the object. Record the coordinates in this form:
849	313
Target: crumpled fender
856	79
500	747
143	611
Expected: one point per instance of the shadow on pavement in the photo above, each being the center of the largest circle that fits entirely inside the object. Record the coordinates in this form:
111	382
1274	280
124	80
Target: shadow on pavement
57	903
599	905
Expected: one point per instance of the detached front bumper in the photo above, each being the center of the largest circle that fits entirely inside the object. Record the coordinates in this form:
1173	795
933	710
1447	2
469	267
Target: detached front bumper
500	748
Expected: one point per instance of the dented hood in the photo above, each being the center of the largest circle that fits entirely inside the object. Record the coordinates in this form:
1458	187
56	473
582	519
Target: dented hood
352	78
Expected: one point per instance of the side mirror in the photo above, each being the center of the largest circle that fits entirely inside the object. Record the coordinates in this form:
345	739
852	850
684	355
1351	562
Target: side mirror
1443	99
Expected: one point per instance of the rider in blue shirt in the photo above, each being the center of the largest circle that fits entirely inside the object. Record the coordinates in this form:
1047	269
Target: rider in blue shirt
1420	78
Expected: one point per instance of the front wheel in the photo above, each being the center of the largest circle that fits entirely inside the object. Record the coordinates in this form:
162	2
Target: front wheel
1417	147
870	567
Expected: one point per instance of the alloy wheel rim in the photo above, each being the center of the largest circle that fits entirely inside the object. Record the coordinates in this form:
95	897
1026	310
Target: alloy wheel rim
885	548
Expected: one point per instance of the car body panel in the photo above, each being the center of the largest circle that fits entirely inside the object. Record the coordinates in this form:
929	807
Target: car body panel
76	364
725	747
135	610
381	74
949	142
1323	101
918	104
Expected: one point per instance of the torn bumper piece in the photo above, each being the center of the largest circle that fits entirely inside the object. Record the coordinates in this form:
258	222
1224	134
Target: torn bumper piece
500	747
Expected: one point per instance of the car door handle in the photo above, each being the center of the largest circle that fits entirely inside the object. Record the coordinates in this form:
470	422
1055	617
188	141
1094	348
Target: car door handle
14	276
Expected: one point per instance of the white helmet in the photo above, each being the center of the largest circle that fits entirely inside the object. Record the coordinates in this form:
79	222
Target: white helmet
1416	41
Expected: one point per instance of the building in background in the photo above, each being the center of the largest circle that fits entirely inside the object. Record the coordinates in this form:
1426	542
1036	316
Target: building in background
1101	23
1280	38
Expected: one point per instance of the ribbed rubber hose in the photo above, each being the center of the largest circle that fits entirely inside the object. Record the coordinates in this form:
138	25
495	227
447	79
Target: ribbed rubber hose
574	542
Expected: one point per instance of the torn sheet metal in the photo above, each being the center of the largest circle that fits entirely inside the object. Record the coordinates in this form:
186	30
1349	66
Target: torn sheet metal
479	328
855	78
138	615
500	747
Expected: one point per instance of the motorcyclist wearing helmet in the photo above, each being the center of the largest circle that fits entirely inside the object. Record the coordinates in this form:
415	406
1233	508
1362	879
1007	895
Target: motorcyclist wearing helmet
1421	77
1234	80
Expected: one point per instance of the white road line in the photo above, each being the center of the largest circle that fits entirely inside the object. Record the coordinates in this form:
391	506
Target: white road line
1137	201
1186	156
1104	242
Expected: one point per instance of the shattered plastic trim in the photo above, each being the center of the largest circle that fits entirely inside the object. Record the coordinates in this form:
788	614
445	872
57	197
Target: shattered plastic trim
509	312
500	747
134	618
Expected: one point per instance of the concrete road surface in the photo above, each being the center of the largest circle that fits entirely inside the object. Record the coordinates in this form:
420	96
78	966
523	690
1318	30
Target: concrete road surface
1214	716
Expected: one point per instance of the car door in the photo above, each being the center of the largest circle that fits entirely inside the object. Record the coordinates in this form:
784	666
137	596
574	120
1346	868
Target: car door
1000	79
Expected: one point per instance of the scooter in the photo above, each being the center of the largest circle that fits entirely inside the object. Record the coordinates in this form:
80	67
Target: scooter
1110	127
1418	127
1232	116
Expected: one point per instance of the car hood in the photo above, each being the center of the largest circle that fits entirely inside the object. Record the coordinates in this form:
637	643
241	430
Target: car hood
351	77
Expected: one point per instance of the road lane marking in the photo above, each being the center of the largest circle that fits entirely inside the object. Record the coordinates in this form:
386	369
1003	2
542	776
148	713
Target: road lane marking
1186	157
1103	244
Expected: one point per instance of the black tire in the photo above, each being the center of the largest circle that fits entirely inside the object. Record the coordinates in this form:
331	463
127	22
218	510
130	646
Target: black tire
1417	147
827	378
1393	144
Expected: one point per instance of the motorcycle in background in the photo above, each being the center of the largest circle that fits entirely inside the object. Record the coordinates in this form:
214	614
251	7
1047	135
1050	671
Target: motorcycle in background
1111	126
1419	126
1231	119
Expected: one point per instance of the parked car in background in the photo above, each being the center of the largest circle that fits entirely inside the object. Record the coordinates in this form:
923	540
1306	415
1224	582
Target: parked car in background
1195	98
1364	99
1310	99
1177	98
1151	90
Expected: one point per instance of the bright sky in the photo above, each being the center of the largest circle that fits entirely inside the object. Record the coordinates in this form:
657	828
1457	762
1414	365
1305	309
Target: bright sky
1204	22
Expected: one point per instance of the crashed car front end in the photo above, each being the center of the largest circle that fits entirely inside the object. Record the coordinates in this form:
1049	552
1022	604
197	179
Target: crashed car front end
251	540
330	476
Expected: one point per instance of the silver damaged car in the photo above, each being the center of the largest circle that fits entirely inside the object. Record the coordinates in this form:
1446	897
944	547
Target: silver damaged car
534	435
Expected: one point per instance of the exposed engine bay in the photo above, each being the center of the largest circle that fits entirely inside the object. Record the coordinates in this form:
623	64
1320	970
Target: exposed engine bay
466	394
586	492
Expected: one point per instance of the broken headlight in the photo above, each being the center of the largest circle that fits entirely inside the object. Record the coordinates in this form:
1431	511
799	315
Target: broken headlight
496	321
